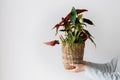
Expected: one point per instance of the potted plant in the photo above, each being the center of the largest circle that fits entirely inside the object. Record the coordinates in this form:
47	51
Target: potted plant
73	36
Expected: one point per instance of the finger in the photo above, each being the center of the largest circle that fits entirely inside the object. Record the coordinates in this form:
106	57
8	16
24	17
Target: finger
73	64
72	70
76	65
76	70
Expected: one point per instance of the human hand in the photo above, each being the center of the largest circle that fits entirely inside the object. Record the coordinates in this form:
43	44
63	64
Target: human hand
78	67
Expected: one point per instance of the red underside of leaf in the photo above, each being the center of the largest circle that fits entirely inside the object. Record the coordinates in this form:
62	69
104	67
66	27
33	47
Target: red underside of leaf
84	35
80	10
52	43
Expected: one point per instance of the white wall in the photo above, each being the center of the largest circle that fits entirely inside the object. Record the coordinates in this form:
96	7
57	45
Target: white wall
26	24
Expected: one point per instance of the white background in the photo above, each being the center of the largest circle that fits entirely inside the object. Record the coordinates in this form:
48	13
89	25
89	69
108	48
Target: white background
26	24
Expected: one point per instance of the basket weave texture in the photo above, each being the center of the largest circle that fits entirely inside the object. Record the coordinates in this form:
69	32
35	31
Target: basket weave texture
72	56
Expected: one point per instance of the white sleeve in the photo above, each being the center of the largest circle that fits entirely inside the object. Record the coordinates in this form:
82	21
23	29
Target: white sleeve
103	71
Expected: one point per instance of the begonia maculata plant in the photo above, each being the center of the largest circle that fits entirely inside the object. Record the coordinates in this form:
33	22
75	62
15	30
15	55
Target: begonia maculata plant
73	29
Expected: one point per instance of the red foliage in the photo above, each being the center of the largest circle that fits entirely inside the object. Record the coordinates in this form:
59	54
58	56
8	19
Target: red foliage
84	36
52	43
80	10
64	20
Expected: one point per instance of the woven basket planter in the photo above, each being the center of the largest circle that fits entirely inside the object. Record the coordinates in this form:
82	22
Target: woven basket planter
72	56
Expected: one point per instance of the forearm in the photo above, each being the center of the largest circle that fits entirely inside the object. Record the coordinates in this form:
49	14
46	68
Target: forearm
106	67
102	71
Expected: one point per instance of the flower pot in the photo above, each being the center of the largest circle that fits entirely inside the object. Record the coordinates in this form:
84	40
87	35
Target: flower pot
74	56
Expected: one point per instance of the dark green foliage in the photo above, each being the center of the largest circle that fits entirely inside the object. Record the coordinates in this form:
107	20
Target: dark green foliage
87	21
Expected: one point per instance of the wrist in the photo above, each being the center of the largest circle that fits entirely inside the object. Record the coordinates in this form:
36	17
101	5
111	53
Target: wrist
85	65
